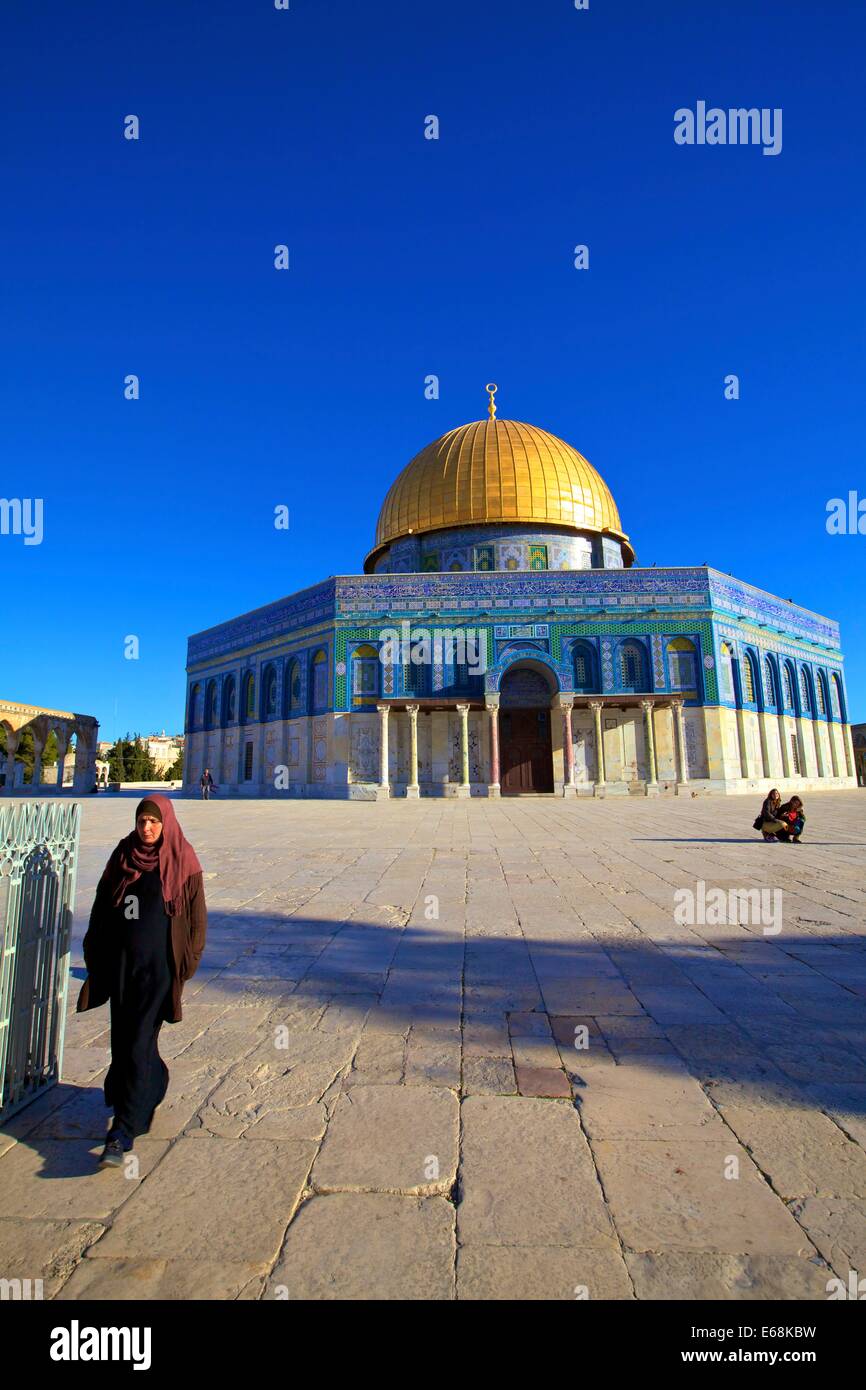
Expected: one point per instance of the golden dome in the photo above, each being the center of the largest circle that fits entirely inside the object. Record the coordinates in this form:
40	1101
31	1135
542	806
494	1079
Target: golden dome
498	471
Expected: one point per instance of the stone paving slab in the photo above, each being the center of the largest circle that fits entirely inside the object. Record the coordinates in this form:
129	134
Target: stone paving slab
802	1153
344	1117
367	1246
673	1194
128	1279
390	1139
36	1248
58	1179
547	1272
641	1102
212	1200
836	1227
685	1275
527	1176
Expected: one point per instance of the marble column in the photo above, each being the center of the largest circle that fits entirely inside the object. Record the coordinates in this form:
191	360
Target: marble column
652	781
566	705
412	788
596	706
680	739
383	791
492	703
464	788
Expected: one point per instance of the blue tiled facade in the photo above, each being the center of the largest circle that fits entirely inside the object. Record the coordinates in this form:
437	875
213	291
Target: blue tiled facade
549	615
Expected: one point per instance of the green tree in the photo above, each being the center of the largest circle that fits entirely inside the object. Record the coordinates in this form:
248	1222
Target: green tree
129	772
116	771
50	751
26	754
140	763
175	772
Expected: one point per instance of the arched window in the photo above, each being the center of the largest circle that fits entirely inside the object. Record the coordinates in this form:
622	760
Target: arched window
821	694
682	664
726	673
269	689
249	699
836	697
365	674
805	693
319	686
467	678
631	667
749	693
229	701
414	673
584	667
294	690
195	706
769	683
211	705
787	686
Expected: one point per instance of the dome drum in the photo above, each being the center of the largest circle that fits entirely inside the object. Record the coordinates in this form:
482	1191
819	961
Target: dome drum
499	548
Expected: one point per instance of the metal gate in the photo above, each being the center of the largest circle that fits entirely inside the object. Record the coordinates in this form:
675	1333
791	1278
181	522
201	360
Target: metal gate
38	862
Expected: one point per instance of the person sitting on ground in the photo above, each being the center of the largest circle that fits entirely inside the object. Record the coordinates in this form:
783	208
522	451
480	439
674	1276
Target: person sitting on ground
768	821
793	816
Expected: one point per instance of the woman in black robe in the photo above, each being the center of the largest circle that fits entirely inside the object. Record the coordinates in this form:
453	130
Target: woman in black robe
145	939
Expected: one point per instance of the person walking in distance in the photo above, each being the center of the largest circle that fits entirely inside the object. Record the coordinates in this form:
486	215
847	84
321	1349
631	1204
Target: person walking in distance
145	939
206	784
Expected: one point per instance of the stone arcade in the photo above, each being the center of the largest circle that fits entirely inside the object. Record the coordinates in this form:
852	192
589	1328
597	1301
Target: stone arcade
74	732
597	677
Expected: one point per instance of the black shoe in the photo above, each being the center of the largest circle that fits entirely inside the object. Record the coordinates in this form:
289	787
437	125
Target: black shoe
112	1154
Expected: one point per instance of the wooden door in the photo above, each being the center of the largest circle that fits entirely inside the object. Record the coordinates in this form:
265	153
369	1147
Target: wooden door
525	751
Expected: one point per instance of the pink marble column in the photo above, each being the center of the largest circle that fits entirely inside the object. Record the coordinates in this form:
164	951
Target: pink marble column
493	787
567	746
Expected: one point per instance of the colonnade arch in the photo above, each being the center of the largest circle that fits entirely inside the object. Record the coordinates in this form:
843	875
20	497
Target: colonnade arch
74	733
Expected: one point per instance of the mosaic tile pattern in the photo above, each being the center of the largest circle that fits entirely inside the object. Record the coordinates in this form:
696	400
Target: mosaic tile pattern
596	604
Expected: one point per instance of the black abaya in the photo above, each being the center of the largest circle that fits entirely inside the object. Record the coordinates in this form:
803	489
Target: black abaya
137	1079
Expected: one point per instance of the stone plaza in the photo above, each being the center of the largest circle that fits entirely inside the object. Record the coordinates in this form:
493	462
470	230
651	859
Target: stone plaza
471	1049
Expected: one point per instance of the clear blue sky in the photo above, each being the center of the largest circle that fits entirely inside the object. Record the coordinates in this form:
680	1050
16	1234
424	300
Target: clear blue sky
410	257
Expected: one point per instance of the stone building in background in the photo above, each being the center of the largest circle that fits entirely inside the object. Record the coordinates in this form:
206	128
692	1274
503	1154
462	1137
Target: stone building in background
502	641
164	750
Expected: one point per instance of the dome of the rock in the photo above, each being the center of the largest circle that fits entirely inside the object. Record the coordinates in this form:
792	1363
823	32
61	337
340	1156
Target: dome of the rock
495	473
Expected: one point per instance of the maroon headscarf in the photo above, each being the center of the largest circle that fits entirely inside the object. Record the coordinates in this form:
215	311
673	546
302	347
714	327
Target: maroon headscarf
172	853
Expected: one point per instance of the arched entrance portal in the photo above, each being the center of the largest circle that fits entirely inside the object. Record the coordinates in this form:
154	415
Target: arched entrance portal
524	732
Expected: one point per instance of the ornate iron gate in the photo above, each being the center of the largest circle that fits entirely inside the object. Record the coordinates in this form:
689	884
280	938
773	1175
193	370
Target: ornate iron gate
38	862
